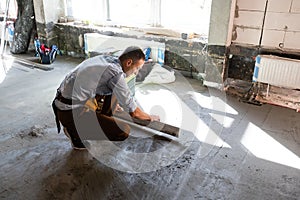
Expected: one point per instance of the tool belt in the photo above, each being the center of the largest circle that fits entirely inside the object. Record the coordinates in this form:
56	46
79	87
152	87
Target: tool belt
64	100
92	104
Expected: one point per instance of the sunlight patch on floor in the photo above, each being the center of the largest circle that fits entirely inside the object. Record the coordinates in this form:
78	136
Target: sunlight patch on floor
5	65
263	146
219	109
174	111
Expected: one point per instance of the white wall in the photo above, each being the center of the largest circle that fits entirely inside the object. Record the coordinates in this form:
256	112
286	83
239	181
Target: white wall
281	26
248	21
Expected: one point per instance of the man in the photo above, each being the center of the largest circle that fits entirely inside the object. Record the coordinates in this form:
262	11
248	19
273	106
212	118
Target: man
88	96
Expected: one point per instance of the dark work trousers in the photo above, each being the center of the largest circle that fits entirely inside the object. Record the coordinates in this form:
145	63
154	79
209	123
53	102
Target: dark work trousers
94	125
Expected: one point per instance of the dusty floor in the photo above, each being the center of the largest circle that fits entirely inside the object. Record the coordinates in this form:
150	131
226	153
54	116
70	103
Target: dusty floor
226	149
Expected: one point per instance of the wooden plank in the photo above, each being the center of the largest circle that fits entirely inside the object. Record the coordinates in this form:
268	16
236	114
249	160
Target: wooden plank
155	125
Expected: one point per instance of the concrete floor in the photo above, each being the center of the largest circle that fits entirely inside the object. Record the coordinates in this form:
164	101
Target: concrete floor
226	149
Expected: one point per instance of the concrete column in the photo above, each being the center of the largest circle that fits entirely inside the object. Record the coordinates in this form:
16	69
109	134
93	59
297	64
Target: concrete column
47	13
24	27
220	21
219	39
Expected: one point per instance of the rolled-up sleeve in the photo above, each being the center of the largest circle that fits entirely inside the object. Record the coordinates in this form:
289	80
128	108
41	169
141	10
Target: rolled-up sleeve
120	89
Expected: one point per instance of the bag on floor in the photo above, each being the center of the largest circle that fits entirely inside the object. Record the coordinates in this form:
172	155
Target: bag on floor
47	54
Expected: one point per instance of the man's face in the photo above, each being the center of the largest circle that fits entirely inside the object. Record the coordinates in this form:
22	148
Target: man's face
133	67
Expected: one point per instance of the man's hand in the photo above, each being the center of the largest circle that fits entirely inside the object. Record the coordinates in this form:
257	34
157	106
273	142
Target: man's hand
139	114
118	108
154	118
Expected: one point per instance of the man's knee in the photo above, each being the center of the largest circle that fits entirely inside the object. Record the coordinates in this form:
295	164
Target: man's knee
126	131
122	135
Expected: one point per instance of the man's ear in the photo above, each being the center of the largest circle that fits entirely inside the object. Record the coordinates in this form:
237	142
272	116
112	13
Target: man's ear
129	62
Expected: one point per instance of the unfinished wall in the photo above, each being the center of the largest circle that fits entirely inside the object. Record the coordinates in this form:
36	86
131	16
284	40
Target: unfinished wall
263	27
248	22
239	30
267	23
185	55
180	54
282	27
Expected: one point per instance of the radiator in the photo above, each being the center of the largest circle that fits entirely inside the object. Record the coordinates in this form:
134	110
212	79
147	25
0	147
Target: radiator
277	71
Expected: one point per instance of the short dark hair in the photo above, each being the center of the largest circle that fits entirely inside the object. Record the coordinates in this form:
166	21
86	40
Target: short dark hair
133	52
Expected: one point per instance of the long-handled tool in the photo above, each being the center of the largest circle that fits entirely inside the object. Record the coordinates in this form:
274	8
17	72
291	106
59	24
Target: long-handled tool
155	125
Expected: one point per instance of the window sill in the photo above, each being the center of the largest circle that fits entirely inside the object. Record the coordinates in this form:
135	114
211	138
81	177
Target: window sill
158	33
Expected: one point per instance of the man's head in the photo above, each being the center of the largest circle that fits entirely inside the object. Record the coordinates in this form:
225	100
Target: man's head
132	59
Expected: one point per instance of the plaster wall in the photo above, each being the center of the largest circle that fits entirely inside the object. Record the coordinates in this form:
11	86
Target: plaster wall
263	27
183	55
269	24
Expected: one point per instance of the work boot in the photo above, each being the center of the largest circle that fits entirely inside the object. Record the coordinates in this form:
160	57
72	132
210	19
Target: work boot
76	142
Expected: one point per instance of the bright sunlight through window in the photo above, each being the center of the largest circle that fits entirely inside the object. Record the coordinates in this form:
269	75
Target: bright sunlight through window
185	16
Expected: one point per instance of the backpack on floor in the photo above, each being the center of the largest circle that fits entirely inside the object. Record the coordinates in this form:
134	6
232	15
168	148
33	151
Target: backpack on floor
47	54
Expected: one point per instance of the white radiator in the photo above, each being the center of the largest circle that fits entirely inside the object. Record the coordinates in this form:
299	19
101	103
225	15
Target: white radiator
277	71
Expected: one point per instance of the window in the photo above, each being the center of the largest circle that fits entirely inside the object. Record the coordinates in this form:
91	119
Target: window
181	15
130	12
87	10
186	15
